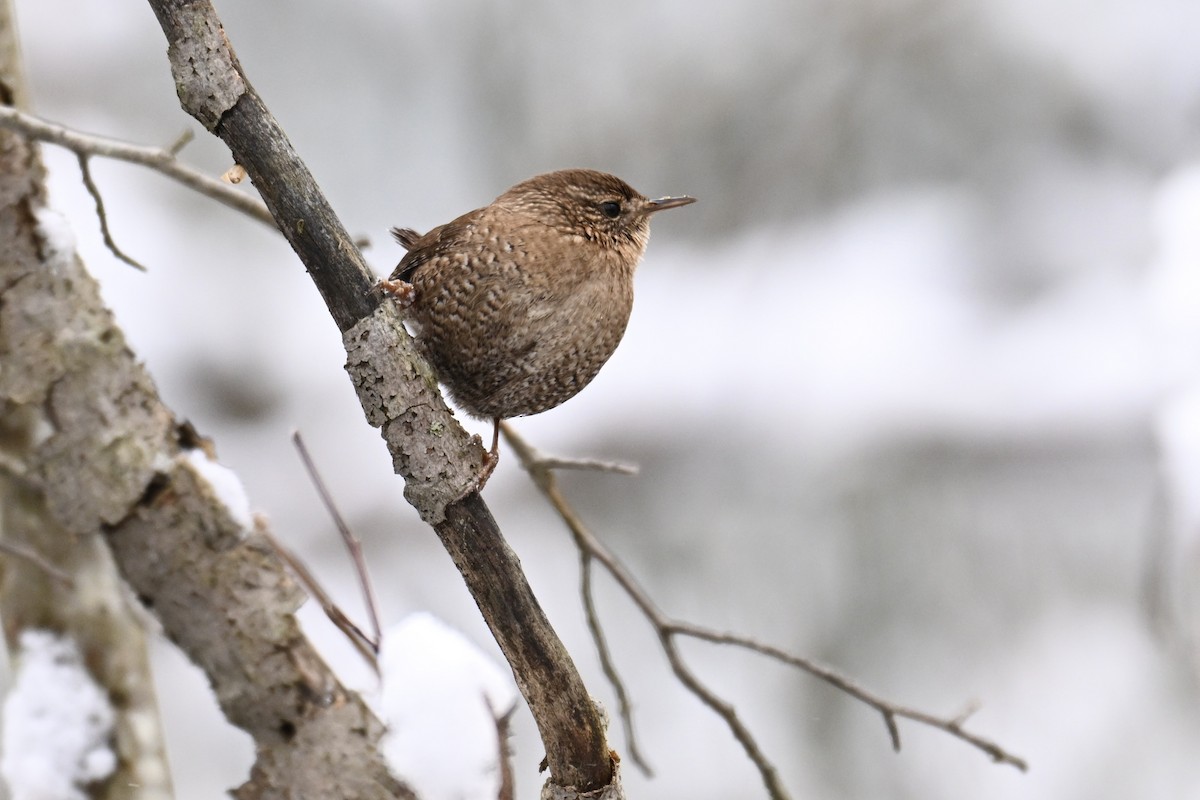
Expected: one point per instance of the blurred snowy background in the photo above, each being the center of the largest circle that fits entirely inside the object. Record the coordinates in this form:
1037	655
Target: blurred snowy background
902	384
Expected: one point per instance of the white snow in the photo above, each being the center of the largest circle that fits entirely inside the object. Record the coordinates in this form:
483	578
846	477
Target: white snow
225	484
57	723
55	232
440	696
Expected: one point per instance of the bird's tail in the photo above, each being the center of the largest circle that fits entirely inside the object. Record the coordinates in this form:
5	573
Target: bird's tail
406	237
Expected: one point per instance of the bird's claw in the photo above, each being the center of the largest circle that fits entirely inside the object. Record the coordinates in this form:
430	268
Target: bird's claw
402	291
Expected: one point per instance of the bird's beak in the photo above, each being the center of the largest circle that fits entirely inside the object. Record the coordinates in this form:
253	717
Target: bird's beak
668	202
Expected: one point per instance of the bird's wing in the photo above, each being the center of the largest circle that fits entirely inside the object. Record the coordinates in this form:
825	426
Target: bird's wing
423	249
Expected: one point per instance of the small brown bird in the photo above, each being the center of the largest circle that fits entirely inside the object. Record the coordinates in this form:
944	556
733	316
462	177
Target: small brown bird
517	305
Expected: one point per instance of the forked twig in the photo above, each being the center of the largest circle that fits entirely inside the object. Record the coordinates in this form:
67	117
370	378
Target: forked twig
592	549
507	788
162	160
889	710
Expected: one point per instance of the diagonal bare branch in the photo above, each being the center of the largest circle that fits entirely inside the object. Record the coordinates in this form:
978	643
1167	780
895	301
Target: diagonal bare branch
437	458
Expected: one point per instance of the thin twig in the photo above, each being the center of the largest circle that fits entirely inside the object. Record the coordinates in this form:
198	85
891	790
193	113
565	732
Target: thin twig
366	648
725	710
961	718
588	464
534	460
888	709
94	190
160	159
507	788
353	545
584	538
593	549
25	554
624	707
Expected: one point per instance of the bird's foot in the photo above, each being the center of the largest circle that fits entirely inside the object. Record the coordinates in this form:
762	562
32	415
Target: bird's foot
402	291
490	460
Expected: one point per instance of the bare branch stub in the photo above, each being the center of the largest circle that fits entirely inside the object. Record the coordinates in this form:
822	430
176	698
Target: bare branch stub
181	141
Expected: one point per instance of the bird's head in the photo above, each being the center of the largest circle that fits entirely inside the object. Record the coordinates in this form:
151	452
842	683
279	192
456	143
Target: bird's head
595	206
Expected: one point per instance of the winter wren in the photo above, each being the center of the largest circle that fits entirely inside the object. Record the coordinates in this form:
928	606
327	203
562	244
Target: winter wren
517	305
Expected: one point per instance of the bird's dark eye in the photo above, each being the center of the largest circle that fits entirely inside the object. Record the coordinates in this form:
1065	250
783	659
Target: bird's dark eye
610	209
